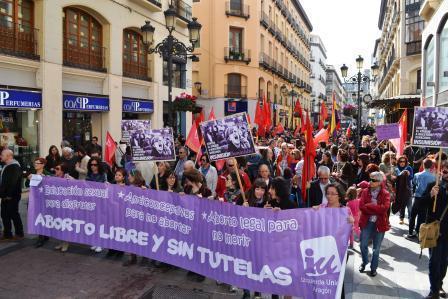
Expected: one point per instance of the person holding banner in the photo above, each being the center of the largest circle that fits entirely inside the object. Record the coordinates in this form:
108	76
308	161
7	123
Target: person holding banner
163	168
436	199
280	196
194	184
210	173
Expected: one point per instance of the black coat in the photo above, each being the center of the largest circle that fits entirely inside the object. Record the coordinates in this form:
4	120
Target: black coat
441	204
11	181
315	194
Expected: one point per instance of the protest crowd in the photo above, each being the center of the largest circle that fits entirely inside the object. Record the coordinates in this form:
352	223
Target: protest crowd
291	169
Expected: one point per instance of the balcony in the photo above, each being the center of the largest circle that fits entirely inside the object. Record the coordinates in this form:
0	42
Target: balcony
184	11
241	11
265	60
135	70
264	19
18	40
413	48
90	58
235	91
232	54
152	5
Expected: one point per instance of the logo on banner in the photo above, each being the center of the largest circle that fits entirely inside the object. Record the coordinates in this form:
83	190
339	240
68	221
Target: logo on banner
231	106
4	95
77	103
320	256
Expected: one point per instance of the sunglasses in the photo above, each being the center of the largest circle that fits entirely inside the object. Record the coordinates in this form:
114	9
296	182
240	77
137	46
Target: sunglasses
401	161
58	168
374	181
230	165
93	164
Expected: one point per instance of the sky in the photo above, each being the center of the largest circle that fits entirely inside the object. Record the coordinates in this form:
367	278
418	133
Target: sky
348	28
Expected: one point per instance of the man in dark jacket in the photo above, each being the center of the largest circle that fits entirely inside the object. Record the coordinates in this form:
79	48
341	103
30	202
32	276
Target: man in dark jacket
438	256
10	194
317	187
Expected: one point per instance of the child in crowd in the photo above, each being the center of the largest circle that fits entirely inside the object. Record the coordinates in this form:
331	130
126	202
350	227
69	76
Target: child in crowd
352	199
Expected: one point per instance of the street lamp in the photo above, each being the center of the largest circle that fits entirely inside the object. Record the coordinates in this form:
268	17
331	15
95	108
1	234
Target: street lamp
171	48
358	79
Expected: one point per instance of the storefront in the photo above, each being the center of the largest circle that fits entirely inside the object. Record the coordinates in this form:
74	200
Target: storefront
137	109
19	123
233	107
82	118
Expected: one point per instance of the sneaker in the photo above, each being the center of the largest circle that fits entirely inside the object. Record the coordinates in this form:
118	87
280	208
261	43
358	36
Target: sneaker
362	268
410	236
432	295
98	249
442	293
373	273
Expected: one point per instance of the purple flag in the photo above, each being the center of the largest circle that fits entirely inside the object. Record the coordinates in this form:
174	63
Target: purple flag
296	252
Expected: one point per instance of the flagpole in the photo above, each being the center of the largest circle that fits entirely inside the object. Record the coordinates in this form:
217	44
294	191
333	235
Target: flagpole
437	178
235	164
156	174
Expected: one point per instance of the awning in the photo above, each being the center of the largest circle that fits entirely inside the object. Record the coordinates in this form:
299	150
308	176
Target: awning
401	99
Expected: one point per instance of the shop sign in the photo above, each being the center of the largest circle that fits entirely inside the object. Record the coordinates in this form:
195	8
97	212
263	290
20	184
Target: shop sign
138	106
20	99
85	103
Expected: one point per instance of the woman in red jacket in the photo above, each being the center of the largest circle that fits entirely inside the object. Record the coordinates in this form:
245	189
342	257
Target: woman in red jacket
374	220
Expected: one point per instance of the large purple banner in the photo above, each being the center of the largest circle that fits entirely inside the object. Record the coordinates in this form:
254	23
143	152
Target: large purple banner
296	252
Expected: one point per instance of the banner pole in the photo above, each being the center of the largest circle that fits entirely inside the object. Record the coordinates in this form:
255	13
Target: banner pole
156	174
235	164
437	178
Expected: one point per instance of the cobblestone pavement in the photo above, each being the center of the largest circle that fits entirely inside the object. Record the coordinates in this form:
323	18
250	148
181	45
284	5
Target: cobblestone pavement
26	272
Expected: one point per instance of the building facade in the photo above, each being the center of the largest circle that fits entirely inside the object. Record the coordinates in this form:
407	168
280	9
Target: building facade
334	84
318	75
435	53
352	95
398	54
74	69
252	49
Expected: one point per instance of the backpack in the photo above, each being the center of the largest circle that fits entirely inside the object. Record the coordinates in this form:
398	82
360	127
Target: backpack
429	232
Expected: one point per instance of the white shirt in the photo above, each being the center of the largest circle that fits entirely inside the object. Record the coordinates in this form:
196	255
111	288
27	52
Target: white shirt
324	196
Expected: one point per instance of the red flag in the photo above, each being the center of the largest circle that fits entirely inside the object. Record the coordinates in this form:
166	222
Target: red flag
109	152
309	167
349	131
259	119
324	112
298	109
248	119
399	143
212	116
267	115
200	118
193	141
279	129
220	164
296	132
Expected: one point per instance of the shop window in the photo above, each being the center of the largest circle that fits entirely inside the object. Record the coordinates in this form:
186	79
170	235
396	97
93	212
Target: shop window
83	40
443	69
179	74
17	33
135	55
19	132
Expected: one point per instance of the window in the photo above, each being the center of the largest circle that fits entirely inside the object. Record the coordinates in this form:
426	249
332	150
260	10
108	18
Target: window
443	69
179	76
429	69
17	33
236	39
135	56
414	28
82	40
234	88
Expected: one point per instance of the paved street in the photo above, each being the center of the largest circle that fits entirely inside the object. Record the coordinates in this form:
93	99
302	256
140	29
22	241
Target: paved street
43	273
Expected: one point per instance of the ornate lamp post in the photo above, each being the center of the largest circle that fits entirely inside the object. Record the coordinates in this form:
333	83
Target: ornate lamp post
358	79
171	48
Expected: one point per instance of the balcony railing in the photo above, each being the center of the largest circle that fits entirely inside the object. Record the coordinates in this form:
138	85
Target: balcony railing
135	70
413	48
265	60
264	19
232	54
18	40
237	10
183	10
91	58
235	91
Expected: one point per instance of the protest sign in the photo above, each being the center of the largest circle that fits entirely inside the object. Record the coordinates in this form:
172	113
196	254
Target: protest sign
388	131
298	252
154	145
228	137
430	127
132	125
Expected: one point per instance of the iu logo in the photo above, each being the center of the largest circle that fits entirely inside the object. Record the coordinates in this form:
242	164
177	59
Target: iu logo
320	256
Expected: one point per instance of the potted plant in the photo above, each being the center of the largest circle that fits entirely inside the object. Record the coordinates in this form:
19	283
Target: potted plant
349	110
184	102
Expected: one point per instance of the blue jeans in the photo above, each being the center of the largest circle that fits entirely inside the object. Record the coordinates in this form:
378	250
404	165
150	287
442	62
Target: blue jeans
369	232
438	264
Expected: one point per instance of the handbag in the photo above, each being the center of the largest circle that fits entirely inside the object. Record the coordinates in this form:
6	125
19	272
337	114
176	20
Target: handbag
429	232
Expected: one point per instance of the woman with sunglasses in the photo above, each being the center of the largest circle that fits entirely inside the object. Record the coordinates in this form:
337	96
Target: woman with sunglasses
95	173
362	175
405	175
374	221
61	171
39	169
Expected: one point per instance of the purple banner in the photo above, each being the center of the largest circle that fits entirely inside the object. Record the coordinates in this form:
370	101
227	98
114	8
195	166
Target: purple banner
228	137
296	252
430	127
388	131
